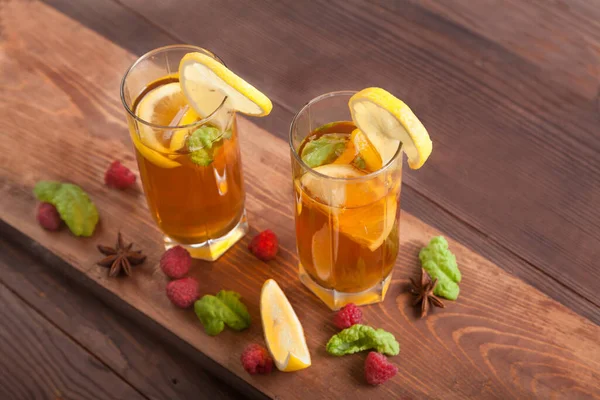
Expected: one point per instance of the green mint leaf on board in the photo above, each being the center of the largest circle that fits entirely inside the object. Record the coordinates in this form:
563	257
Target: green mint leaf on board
46	190
232	300
362	337
76	209
72	203
323	150
226	308
201	143
440	264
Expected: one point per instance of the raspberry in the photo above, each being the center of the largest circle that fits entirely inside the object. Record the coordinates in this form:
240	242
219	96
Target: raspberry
48	217
349	315
176	262
264	245
119	176
378	369
183	292
256	360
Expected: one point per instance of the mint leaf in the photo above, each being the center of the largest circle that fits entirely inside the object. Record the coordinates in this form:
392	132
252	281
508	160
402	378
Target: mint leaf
385	342
362	337
203	138
76	209
226	308
232	300
202	157
73	205
323	150
440	264
200	144
209	311
46	190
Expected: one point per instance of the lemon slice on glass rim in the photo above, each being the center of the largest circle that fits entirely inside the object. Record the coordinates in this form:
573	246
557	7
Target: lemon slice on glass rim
283	332
387	121
206	82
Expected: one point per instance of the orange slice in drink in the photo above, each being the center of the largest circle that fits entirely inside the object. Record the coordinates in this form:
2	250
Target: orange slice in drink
322	255
370	225
330	192
348	155
367	151
364	210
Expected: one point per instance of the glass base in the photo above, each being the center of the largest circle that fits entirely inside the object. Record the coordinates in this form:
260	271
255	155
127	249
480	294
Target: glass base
336	300
212	249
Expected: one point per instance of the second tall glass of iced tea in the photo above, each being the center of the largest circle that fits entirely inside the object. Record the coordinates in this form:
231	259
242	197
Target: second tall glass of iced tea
347	205
189	164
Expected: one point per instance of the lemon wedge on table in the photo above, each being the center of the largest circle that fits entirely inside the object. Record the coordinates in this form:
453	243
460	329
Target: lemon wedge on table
387	122
283	332
206	82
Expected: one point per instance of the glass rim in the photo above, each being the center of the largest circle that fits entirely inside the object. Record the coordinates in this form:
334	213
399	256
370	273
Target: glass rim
157	51
315	100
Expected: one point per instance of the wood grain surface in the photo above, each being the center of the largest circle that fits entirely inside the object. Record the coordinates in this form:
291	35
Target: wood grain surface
44	363
154	369
517	157
502	339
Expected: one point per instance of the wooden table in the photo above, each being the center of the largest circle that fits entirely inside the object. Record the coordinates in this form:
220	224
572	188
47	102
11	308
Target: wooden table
508	91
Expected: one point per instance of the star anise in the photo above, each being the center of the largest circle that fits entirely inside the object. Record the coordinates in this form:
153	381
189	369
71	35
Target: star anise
424	293
120	258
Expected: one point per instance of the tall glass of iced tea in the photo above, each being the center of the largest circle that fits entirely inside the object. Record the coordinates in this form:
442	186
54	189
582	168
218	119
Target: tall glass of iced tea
189	164
347	198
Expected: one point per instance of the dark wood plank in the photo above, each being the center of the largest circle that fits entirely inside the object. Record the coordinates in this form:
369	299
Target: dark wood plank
507	137
38	361
154	369
560	37
502	339
417	204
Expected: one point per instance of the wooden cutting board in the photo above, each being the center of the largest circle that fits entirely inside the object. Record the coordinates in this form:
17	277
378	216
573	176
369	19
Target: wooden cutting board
61	119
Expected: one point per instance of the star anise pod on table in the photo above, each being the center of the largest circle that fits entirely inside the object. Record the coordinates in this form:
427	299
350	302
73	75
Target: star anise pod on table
424	292
120	258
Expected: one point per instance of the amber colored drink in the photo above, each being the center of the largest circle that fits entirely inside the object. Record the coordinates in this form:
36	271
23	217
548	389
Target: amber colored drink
192	203
352	244
189	165
347	232
347	205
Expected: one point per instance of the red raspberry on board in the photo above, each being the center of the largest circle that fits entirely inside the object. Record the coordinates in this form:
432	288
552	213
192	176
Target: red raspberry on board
176	262
349	315
264	245
378	369
119	176
256	360
183	292
48	217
